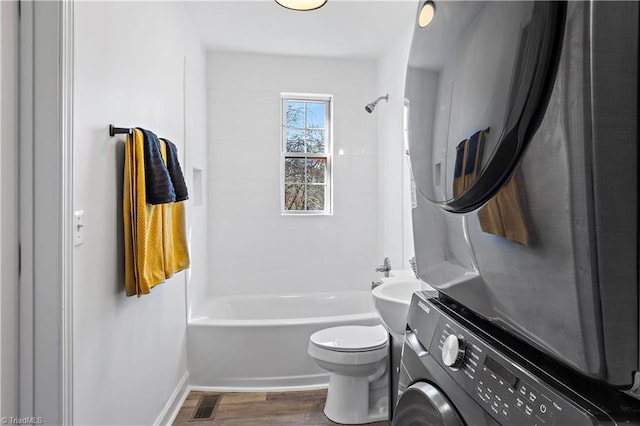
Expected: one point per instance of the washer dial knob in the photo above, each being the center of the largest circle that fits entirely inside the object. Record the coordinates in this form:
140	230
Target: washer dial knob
453	351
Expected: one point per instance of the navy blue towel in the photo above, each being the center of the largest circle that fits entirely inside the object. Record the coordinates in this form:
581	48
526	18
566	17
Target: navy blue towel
457	170
158	183
470	167
175	172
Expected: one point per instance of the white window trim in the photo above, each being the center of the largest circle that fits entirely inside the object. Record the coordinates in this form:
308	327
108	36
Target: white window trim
328	154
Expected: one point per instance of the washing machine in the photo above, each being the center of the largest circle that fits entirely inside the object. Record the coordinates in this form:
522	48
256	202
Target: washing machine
457	370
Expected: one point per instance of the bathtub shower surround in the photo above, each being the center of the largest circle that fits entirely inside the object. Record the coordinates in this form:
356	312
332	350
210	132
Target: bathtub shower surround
253	249
260	341
276	279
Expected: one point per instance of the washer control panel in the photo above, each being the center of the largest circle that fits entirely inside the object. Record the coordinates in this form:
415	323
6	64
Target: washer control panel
509	393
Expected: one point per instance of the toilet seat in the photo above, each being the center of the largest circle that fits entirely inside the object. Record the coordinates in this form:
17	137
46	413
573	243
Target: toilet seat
351	338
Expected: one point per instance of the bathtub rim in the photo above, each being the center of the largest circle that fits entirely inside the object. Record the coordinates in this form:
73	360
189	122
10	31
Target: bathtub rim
201	319
204	321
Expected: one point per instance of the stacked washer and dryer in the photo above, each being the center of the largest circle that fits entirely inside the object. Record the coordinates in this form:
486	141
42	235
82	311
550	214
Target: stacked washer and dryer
523	139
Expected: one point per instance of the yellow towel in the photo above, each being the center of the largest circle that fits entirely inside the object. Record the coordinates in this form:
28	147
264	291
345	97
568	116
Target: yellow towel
491	219
462	150
504	215
176	250
511	201
154	235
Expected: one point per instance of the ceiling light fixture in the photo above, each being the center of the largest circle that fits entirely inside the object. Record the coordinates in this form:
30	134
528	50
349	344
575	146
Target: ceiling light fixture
427	12
301	4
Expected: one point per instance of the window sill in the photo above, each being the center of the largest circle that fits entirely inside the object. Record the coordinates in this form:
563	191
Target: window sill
309	213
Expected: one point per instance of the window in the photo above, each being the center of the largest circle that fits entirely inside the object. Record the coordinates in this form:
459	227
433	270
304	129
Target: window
306	154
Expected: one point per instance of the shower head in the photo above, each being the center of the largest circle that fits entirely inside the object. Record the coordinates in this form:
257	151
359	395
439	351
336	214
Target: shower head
370	107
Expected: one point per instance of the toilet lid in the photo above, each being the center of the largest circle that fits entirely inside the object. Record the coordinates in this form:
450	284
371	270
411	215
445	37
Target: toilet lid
351	338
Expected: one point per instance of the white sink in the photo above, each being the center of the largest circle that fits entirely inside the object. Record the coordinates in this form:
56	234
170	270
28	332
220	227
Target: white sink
392	299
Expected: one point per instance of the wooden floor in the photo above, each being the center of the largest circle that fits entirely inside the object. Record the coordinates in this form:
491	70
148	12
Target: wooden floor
253	409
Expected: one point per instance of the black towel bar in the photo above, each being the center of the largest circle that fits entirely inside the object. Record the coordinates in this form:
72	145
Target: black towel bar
118	130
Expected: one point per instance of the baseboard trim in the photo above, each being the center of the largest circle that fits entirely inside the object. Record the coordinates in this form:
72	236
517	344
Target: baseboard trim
172	407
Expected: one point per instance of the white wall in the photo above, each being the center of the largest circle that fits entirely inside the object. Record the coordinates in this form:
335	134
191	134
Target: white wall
394	200
129	353
252	248
9	209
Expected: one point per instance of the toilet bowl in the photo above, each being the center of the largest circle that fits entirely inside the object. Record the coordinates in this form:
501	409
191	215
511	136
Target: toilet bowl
356	357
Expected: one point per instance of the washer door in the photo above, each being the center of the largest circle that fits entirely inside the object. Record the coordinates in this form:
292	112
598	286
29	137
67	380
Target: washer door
423	404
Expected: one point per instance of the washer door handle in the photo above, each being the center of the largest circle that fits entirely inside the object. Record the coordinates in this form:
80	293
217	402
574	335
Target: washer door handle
411	339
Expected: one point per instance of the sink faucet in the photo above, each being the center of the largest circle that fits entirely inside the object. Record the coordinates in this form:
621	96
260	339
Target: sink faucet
385	267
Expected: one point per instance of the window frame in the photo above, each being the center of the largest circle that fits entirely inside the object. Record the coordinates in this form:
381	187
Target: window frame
327	155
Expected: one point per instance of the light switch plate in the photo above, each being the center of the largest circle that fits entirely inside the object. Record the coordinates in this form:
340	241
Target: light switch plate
78	227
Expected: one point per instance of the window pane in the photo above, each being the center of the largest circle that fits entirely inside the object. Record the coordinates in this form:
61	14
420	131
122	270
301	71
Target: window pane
316	170
315	115
315	197
315	141
294	115
306	133
294	197
294	170
295	140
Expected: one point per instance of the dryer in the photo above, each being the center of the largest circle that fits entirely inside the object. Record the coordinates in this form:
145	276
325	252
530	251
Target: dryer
523	139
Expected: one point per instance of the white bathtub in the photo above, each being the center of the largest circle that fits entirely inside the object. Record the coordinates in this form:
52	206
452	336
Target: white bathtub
260	342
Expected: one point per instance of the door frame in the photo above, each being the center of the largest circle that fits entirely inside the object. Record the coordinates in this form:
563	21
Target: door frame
9	355
45	202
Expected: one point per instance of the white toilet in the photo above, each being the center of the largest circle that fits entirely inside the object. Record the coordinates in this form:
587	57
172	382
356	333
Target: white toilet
356	357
